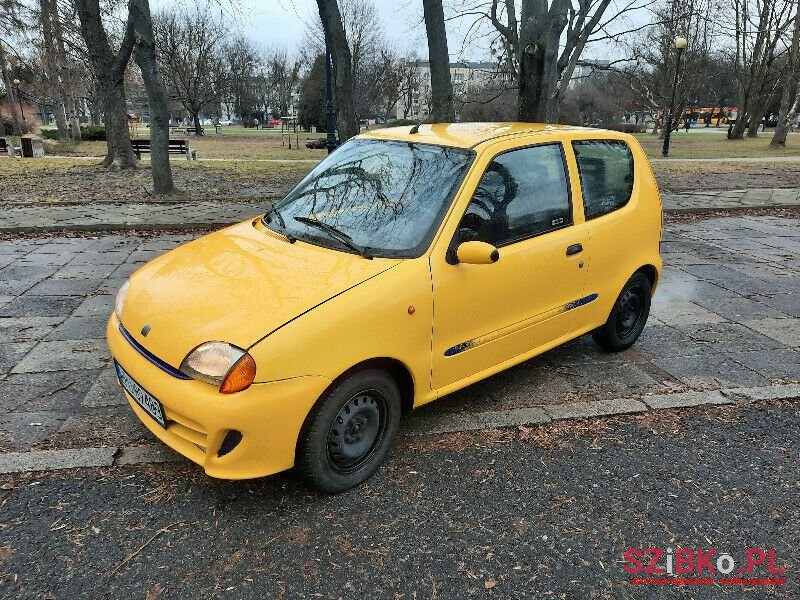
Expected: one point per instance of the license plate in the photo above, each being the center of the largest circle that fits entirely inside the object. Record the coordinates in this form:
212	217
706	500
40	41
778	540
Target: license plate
142	397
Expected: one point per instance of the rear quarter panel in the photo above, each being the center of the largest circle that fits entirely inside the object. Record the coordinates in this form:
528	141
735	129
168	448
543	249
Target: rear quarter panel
625	240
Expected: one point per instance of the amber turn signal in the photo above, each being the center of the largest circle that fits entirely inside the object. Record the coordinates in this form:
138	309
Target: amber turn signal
240	376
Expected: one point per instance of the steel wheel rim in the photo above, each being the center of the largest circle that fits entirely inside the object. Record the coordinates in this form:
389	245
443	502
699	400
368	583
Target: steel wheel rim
629	312
357	431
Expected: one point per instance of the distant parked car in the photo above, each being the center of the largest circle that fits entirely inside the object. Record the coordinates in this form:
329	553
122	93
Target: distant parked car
408	264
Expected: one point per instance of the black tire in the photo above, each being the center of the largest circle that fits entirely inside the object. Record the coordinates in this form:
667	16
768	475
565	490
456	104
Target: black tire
628	317
348	433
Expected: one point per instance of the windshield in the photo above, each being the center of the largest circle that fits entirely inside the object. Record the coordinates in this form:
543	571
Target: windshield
383	197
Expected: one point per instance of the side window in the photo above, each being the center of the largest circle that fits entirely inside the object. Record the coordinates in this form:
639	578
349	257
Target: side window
606	170
522	193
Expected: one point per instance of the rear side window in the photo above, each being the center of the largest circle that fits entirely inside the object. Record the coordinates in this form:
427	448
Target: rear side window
523	193
606	170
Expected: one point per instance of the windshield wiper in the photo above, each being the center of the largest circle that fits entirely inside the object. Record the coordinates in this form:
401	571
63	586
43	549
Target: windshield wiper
274	212
337	234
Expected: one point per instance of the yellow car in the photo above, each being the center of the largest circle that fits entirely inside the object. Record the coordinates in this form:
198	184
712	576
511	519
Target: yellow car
407	265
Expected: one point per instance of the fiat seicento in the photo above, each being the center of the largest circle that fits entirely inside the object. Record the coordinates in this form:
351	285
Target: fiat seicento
408	264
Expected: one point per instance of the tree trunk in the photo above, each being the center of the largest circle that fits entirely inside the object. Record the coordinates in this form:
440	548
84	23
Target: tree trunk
145	55
74	120
788	108
539	36
109	73
342	68
198	128
11	96
442	107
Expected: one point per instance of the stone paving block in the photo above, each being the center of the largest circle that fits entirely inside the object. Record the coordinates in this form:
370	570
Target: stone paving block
13	352
40	306
57	391
138	455
786	303
79	328
474	421
661	341
72	272
596	408
23	430
774	392
737	308
684	312
20	329
105	391
100	305
709	370
51	460
729	337
781	364
68	355
786	331
65	287
684	399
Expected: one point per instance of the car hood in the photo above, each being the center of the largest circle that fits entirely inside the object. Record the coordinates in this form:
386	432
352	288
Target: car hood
236	285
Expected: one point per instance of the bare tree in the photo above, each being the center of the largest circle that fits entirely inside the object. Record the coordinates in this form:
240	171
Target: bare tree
442	107
789	94
190	48
108	68
759	27
241	61
283	76
336	40
145	55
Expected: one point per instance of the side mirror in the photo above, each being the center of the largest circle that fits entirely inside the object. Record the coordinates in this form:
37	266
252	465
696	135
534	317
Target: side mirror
477	253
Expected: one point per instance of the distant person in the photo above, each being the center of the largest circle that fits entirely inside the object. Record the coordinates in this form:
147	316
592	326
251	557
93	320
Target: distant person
688	125
256	123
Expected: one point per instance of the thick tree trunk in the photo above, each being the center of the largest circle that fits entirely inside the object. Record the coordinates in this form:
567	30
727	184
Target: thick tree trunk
61	121
145	55
109	73
54	64
539	37
442	107
342	68
198	128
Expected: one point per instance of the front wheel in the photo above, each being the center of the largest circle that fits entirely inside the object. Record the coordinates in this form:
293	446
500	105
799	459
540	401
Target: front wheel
349	431
628	316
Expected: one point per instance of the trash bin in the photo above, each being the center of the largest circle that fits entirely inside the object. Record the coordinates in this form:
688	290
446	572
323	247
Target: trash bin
218	129
27	147
38	147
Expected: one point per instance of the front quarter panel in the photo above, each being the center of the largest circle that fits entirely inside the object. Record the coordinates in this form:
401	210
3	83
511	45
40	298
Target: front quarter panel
387	316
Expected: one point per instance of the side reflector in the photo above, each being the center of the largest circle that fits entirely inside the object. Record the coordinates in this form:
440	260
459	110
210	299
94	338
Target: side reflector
240	376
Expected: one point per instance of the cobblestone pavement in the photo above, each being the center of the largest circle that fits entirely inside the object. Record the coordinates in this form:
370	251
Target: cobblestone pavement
166	215
727	314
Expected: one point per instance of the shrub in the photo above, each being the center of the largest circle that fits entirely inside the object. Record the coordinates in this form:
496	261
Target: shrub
628	127
90	133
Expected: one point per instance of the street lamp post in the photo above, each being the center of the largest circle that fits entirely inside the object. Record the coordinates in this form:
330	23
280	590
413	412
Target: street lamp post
329	112
680	46
16	83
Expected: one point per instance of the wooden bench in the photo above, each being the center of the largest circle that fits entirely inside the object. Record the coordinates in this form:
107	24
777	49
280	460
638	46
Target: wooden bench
140	146
7	148
190	130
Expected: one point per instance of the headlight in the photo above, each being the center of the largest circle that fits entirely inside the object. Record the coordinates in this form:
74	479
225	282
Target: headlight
225	366
120	301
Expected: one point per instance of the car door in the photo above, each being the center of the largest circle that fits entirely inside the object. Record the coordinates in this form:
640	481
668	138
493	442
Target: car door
488	314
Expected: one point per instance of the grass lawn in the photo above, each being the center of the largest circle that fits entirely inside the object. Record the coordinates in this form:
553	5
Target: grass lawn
65	180
713	143
230	145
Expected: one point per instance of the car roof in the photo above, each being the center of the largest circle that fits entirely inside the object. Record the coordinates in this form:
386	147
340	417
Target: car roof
465	135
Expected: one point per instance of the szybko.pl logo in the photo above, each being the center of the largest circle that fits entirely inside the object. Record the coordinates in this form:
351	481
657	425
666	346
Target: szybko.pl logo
687	566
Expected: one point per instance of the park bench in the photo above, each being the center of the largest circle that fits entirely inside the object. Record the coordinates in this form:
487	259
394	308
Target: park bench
7	148
141	146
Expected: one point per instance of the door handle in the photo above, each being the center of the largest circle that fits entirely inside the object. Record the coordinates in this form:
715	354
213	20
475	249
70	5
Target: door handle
574	249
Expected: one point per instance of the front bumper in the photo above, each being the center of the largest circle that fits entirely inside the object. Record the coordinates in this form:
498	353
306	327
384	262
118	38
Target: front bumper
268	415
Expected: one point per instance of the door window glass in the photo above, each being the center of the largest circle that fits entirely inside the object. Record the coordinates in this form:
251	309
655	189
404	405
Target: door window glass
522	193
606	170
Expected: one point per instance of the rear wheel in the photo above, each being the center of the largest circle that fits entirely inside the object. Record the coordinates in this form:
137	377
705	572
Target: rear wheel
628	316
349	432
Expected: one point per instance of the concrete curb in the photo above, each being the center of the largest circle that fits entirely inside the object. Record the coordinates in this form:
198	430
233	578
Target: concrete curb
55	460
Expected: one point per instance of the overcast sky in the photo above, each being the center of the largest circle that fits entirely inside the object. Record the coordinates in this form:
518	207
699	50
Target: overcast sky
282	23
